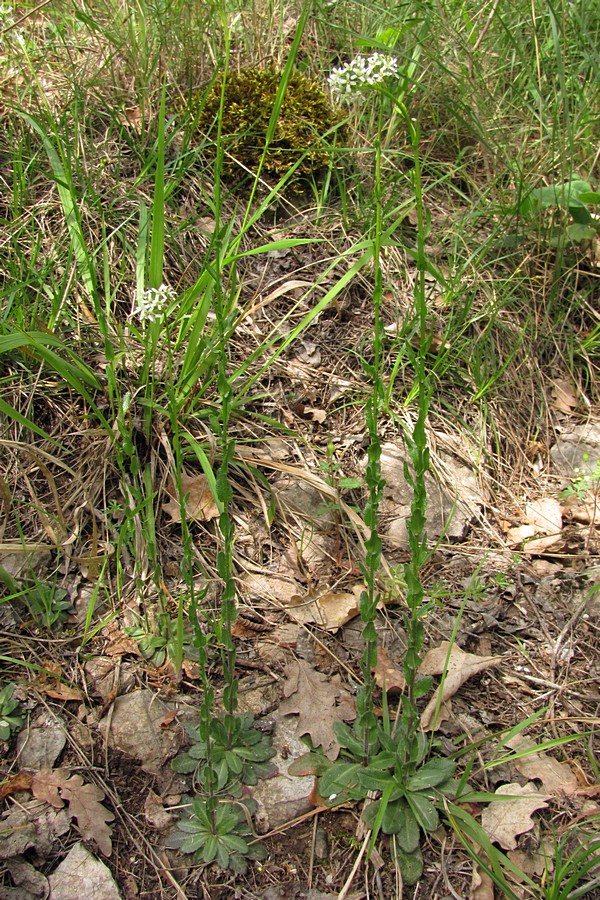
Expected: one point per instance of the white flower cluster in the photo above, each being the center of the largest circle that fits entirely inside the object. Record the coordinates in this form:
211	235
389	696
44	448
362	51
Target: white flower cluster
362	72
152	303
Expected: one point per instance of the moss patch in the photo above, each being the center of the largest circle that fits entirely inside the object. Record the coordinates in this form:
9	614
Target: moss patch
303	133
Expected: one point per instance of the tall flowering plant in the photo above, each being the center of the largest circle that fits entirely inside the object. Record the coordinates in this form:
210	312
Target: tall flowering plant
387	761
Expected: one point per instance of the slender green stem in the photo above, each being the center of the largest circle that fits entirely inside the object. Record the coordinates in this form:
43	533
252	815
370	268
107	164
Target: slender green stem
370	596
221	425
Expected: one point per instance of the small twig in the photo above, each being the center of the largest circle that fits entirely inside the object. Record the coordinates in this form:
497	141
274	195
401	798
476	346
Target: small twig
557	644
312	851
110	712
27	15
486	27
344	891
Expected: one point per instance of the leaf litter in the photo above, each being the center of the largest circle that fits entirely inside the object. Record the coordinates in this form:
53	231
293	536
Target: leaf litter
318	701
504	820
84	800
320	595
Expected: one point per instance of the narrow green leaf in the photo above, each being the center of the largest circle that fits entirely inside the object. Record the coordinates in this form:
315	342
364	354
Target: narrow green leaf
157	241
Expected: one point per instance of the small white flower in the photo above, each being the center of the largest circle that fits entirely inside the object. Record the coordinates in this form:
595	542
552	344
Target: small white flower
361	73
152	304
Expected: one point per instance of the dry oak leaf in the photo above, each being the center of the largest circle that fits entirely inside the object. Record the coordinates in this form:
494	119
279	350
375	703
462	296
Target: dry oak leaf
57	786
536	862
387	674
55	687
339	608
460	667
155	812
585	510
564	397
19	782
318	703
558	780
119	644
60	691
198	498
504	820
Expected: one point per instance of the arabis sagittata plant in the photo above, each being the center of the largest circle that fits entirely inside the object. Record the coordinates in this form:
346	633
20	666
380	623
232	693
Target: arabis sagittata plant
152	304
362	73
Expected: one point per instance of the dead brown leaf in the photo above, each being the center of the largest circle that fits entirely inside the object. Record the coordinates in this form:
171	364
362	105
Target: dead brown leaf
543	518
19	782
482	886
57	787
316	415
585	510
504	820
55	687
337	608
60	691
461	666
46	785
557	778
388	675
85	804
318	702
133	117
564	396
199	501
119	644
330	609
279	590
155	812
537	861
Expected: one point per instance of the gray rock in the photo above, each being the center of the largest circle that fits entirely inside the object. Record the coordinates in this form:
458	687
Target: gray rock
100	672
577	451
31	824
305	500
82	875
40	745
454	497
135	729
283	797
31	883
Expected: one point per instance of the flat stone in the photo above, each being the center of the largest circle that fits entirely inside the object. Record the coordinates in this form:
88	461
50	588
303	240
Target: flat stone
29	882
82	875
306	501
577	451
100	672
22	565
454	498
283	797
136	729
40	745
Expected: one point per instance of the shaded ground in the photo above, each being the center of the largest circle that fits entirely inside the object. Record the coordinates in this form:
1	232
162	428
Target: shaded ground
537	611
90	628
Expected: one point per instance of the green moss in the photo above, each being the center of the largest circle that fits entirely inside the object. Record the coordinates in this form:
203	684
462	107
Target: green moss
305	117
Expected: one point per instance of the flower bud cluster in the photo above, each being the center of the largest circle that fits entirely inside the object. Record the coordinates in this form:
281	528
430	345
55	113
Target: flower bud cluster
152	304
362	72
